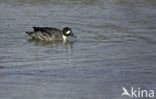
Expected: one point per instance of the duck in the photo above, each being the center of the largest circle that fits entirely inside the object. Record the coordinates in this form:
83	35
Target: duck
51	33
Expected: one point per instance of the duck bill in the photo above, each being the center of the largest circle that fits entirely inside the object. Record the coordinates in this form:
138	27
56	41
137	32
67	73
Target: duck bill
72	35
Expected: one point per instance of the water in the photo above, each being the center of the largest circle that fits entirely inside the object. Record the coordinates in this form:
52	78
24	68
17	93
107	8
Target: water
116	48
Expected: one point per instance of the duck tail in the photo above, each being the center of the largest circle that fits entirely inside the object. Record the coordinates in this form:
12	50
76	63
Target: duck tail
29	32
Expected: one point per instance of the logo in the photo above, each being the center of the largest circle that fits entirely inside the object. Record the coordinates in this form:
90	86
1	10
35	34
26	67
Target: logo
137	92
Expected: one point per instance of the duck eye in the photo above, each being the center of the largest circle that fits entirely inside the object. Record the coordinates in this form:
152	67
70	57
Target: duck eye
68	32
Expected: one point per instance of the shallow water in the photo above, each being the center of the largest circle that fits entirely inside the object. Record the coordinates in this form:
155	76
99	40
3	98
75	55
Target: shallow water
116	47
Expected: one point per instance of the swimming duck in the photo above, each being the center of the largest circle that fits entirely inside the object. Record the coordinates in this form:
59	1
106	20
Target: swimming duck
51	34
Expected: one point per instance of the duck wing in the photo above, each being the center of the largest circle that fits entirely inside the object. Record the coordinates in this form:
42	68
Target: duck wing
50	30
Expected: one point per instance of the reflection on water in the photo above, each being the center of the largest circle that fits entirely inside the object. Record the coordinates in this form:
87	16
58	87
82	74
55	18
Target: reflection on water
44	43
115	48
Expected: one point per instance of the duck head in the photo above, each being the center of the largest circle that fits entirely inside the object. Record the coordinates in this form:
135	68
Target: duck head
67	32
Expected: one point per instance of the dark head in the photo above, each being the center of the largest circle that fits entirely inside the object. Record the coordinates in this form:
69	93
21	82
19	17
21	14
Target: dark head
68	32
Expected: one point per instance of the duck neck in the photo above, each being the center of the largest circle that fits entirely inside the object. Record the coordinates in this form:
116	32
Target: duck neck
64	38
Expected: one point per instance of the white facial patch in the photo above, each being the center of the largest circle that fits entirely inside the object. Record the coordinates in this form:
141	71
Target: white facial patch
68	32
